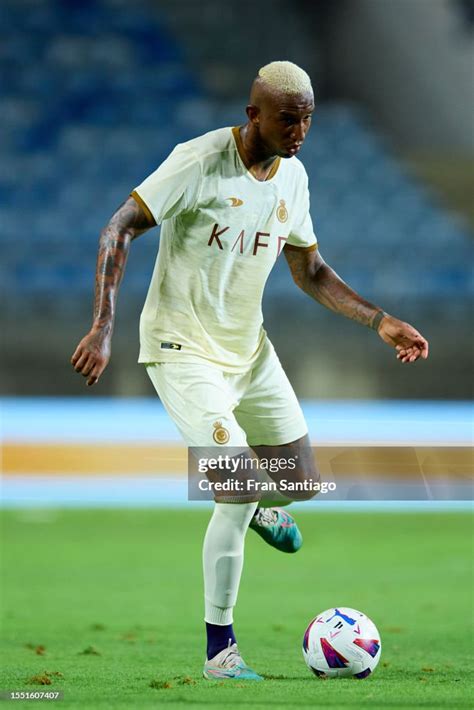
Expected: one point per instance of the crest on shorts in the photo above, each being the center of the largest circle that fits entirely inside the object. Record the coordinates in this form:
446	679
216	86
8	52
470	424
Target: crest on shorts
282	212
220	435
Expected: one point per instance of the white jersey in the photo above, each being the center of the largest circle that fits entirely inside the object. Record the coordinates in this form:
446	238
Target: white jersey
222	231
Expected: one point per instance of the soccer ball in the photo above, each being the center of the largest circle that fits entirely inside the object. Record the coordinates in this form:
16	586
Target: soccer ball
341	643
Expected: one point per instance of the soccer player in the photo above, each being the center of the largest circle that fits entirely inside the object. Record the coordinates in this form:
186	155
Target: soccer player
229	203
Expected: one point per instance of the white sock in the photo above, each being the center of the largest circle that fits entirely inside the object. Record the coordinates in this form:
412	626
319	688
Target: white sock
223	558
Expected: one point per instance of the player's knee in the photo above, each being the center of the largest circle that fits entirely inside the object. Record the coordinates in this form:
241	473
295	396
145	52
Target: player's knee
307	483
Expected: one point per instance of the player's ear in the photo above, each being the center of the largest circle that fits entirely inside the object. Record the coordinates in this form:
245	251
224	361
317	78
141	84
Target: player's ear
253	113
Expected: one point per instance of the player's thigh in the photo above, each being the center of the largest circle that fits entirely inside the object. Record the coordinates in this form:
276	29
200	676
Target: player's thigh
200	401
269	411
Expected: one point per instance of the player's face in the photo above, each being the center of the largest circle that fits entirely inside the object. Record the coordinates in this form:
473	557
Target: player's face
283	123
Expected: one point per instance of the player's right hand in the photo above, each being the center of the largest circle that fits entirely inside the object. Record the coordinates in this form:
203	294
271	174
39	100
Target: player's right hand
92	355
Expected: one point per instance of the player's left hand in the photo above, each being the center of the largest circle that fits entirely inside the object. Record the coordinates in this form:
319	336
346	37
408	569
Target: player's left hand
408	342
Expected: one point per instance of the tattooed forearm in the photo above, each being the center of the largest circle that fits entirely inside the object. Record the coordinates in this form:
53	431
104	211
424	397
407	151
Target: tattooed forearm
330	290
111	261
311	273
126	224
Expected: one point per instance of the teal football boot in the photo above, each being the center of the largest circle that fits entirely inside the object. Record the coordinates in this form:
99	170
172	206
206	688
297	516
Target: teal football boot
278	528
229	665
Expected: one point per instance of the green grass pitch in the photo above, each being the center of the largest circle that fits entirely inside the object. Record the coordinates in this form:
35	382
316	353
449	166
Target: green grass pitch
112	601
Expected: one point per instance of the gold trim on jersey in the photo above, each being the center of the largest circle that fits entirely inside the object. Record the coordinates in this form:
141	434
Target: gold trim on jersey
292	247
241	151
143	205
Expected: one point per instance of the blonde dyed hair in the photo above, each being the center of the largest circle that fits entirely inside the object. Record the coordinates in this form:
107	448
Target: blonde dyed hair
285	77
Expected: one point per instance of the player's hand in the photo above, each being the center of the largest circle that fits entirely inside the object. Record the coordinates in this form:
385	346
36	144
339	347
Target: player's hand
408	342
92	355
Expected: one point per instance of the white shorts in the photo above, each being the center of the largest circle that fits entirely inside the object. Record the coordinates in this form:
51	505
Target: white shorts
212	407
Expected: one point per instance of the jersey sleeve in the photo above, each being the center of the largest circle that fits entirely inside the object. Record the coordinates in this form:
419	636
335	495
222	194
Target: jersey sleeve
302	232
174	186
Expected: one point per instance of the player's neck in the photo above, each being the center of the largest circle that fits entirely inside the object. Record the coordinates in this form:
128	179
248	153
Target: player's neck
256	158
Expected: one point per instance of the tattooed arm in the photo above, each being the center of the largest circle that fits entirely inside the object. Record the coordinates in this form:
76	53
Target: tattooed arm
93	352
311	273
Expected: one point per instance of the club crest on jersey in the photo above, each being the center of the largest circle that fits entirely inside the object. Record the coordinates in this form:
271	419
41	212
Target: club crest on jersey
282	212
220	435
235	201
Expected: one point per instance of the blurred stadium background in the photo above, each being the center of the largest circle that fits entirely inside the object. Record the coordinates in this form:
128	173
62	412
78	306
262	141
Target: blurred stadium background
95	94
